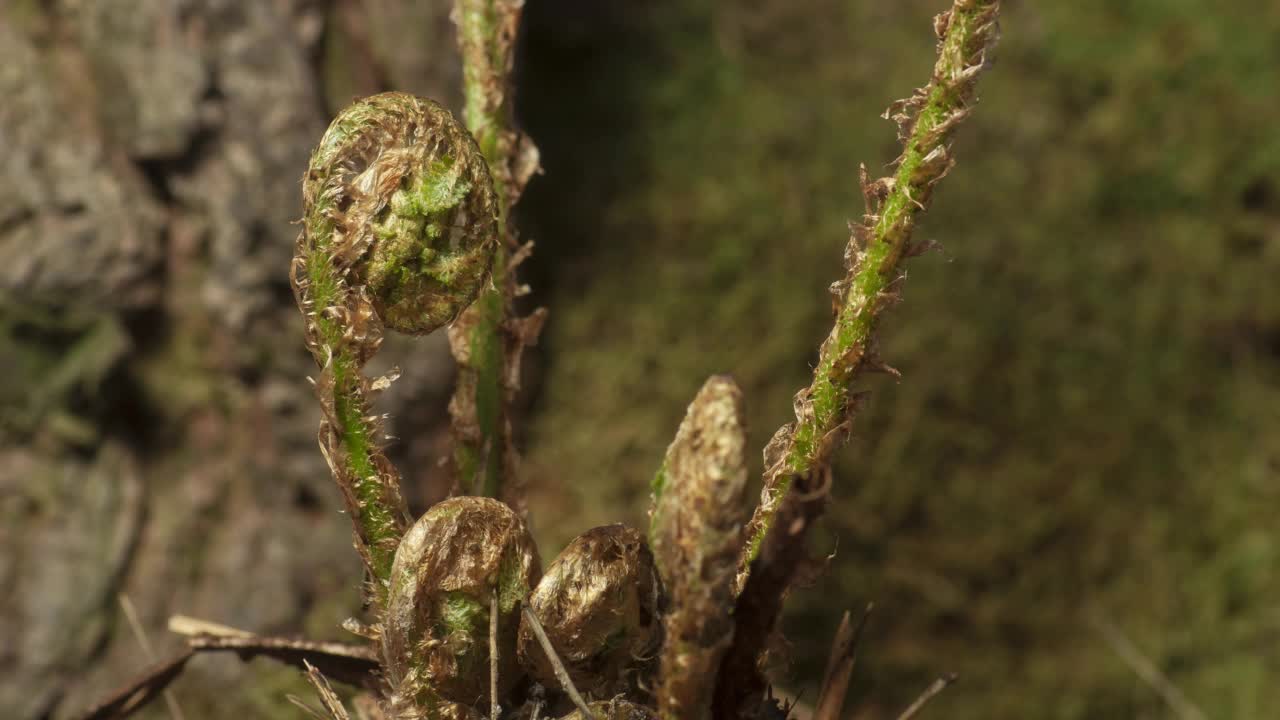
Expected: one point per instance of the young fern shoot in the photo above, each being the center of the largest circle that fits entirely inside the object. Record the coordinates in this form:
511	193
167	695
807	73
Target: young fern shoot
926	122
699	508
798	458
399	233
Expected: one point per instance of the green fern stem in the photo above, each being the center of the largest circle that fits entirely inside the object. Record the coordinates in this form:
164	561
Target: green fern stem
479	456
378	524
926	122
488	339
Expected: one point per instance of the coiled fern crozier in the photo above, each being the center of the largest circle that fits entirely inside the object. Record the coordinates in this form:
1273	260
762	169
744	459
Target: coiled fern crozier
407	228
399	233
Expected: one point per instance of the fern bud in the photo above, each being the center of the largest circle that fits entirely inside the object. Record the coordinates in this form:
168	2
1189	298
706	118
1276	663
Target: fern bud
400	200
447	570
597	603
696	531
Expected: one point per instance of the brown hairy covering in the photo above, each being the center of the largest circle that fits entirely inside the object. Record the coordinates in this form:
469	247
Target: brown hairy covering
597	603
698	515
435	635
399	195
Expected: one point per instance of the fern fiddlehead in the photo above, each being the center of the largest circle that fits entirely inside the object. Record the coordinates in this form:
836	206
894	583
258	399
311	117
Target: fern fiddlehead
399	233
464	559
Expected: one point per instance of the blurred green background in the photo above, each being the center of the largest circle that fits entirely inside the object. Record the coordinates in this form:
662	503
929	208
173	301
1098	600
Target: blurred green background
1083	444
1086	428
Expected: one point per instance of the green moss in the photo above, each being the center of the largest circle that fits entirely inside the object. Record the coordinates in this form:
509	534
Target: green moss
60	359
462	614
512	588
656	487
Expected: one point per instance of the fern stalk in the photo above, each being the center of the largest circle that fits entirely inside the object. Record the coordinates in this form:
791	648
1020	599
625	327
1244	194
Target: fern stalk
798	458
349	438
877	246
487	341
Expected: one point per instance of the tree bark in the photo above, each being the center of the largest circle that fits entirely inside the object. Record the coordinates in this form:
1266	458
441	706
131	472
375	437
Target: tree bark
157	434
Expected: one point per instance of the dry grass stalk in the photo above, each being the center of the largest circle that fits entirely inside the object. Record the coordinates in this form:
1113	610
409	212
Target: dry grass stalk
929	693
835	680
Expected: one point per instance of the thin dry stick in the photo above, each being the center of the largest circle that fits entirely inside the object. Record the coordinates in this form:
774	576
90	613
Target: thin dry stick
1142	666
835	681
135	625
328	698
839	650
305	707
562	675
189	626
138	692
352	664
494	709
929	693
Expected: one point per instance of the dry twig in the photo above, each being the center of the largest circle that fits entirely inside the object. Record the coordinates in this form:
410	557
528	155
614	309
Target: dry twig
328	698
494	708
135	625
929	693
138	692
352	664
835	681
1143	667
562	674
